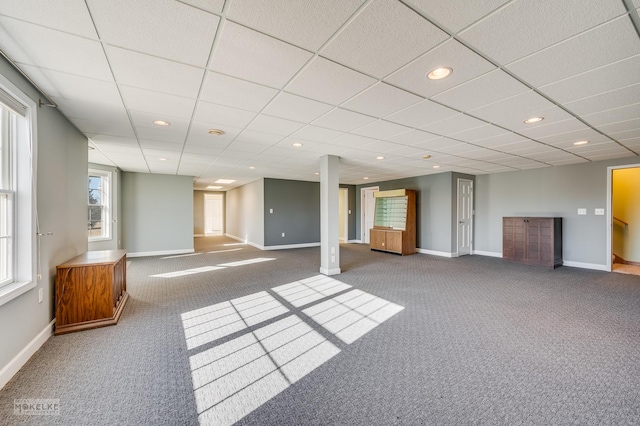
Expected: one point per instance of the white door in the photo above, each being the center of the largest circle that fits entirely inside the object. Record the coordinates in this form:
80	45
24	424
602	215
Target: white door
368	211
465	216
212	214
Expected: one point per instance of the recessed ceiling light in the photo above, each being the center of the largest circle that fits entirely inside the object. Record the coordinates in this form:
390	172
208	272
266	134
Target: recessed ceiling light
216	132
161	123
436	167
439	73
581	143
379	157
214	187
296	144
225	181
533	120
252	167
163	159
365	178
426	157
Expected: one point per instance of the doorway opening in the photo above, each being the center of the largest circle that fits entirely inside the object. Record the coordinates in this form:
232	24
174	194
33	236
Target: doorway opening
343	207
465	217
623	220
367	209
213	214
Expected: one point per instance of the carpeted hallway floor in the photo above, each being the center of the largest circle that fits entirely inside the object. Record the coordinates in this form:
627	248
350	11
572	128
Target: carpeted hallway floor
398	340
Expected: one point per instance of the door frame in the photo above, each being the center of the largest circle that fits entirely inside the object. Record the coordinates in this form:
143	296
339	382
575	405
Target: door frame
362	209
458	216
609	212
204	215
344	193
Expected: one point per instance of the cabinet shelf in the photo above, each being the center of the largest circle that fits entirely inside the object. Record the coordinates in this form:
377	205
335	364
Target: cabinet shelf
394	225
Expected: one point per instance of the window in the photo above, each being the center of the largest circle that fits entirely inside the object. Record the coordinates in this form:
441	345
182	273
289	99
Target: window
99	197
17	192
7	195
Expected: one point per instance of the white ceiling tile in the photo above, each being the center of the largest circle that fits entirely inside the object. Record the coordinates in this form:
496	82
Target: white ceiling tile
552	129
437	144
157	103
624	135
296	108
112	140
214	6
600	46
246	147
207	112
382	38
70	16
253	136
256	57
163	28
616	115
465	64
97	157
422	114
621	126
606	101
71	86
153	73
380	147
498	140
305	24
161	146
511	112
229	91
316	134
94	111
524	27
456	149
343	120
161	168
611	77
381	129
287	143
199	134
329	82
201	150
478	133
381	100
408	151
38	46
145	119
274	125
455	124
412	137
455	15
526	148
563	140
609	156
153	156
351	141
161	135
489	88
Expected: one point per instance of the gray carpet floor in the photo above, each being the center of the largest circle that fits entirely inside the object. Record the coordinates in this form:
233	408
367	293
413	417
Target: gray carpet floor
479	341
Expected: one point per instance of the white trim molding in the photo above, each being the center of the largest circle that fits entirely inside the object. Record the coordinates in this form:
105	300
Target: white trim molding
11	291
334	271
582	265
487	253
354	241
198	235
437	253
159	253
291	246
10	370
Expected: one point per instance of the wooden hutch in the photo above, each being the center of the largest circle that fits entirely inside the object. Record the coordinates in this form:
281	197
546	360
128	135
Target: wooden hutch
394	227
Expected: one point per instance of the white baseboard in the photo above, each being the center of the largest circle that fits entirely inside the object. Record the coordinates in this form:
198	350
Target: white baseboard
437	253
10	370
354	242
325	271
487	253
596	266
198	235
258	246
291	246
159	253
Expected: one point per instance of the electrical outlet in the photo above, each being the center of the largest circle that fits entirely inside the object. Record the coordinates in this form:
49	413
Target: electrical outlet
40	295
582	212
283	235
270	211
599	212
349	211
333	258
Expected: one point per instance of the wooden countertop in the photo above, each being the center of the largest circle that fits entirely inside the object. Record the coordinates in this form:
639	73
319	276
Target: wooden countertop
99	257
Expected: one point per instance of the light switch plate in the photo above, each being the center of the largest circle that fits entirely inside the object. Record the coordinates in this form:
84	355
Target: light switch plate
270	210
599	212
582	211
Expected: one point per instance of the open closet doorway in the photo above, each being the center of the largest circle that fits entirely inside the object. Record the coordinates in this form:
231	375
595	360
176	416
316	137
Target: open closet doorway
367	208
213	214
623	220
343	206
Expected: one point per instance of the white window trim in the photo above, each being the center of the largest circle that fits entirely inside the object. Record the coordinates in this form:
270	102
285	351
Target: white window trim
25	248
107	206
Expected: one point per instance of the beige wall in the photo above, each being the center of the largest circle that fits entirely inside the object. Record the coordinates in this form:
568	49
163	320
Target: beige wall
626	207
198	211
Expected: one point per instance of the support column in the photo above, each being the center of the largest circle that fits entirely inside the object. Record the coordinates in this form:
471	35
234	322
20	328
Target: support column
329	215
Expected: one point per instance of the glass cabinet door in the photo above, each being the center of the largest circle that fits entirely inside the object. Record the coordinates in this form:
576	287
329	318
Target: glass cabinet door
391	212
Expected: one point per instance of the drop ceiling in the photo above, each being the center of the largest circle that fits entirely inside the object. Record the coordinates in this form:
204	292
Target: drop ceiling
337	77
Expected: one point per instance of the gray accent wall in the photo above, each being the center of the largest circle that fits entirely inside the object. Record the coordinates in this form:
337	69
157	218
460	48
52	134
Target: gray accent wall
551	191
296	212
198	210
436	214
244	207
157	213
116	224
61	187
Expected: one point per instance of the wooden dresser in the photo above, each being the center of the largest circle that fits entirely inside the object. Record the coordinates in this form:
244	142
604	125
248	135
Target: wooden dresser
394	227
533	240
91	290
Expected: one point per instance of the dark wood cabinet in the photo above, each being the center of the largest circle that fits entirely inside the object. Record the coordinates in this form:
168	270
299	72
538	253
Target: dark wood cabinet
91	290
394	227
532	240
